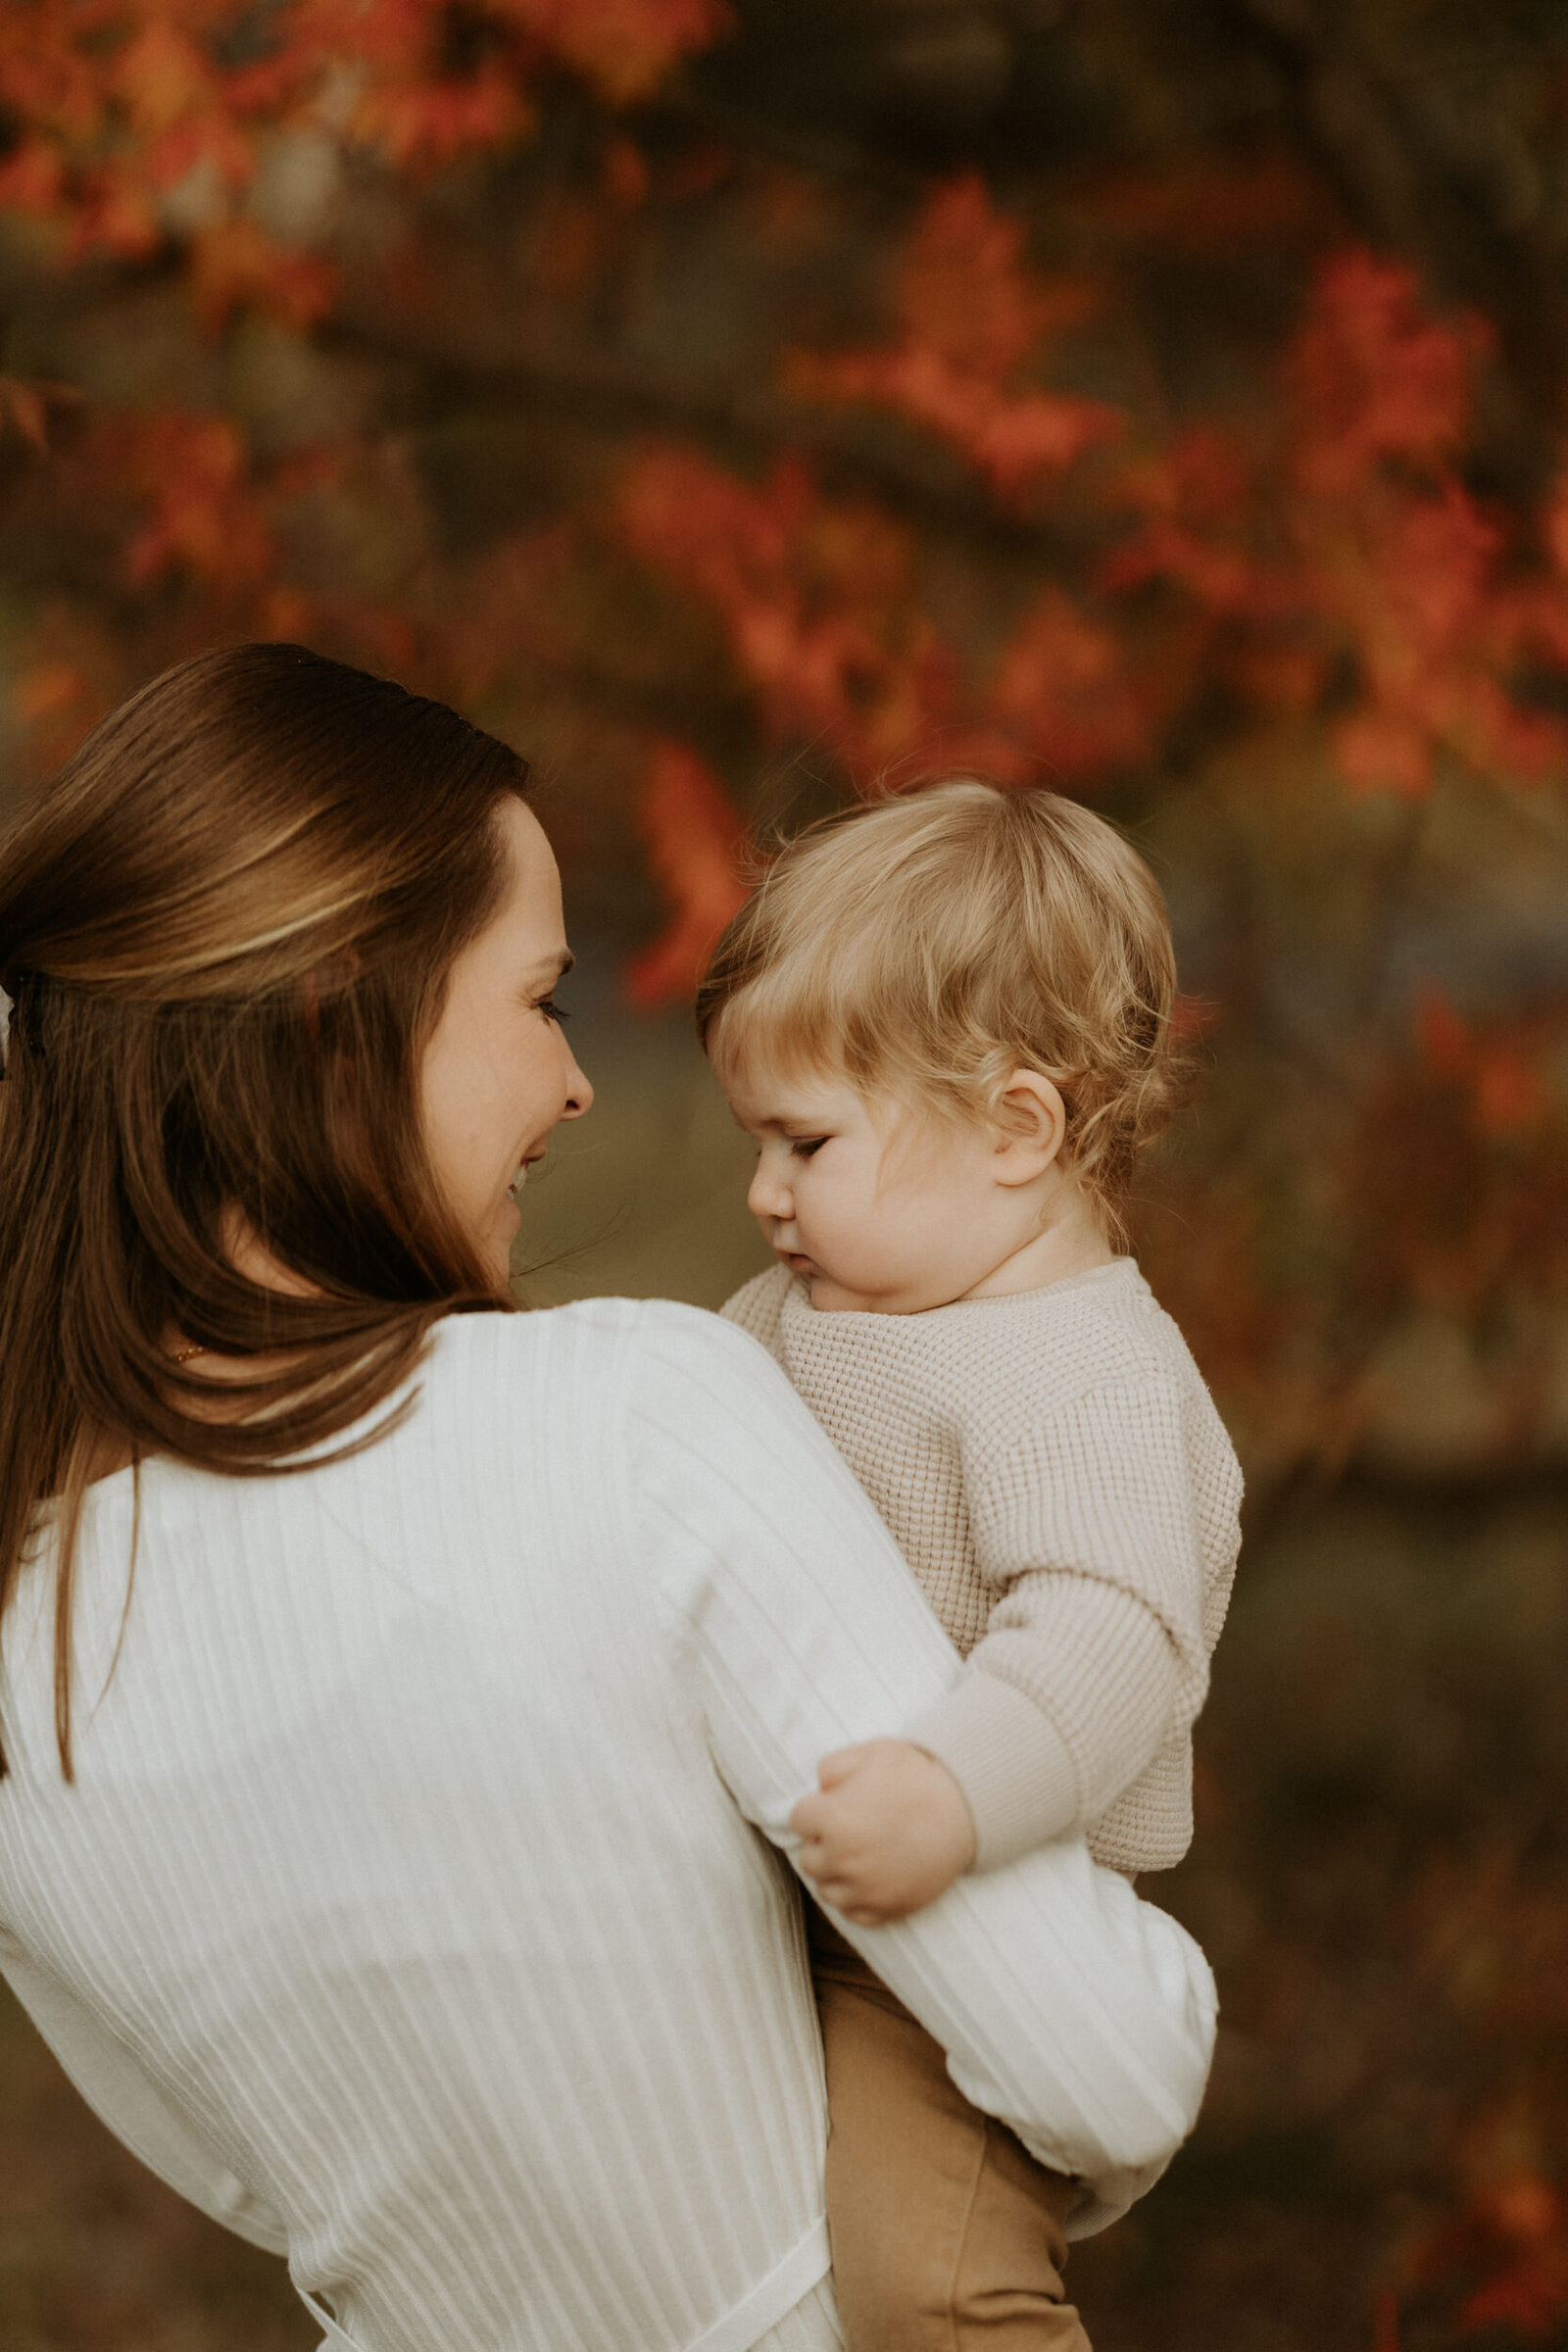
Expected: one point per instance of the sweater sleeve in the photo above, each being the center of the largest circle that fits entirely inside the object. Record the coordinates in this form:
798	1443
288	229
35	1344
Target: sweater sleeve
1085	1527
1079	2016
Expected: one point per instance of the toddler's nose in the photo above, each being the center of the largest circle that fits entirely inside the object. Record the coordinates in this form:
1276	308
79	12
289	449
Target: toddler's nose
769	1196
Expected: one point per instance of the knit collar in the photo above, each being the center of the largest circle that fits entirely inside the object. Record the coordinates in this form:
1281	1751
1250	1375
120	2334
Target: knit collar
797	1312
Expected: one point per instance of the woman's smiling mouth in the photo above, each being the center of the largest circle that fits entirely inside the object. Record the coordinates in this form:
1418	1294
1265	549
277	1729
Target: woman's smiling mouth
516	1183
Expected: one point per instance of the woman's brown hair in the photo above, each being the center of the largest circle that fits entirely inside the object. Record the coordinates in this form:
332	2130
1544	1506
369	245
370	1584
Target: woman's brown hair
226	929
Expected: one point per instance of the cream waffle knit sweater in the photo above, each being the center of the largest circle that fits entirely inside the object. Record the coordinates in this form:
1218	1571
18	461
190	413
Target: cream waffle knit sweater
1055	1474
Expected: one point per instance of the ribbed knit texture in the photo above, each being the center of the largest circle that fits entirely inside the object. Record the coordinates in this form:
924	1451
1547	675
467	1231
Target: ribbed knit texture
1055	1474
405	1914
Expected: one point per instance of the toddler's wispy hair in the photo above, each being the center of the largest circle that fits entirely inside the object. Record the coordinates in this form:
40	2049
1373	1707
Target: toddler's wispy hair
926	946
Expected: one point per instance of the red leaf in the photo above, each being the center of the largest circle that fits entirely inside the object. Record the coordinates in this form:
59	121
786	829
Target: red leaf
695	839
1443	1038
32	177
206	518
1371	376
624	47
45	692
813	595
1062	682
962	290
26	406
970	316
162	76
1510	1095
237	266
1382	750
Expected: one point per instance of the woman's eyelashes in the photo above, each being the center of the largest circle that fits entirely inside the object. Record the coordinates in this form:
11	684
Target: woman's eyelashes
802	1145
551	1009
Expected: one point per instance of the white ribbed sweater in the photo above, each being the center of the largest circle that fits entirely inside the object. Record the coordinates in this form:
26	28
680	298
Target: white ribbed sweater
1055	1474
405	1914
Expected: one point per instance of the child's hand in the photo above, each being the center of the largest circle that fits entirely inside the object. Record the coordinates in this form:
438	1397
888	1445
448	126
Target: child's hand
890	1831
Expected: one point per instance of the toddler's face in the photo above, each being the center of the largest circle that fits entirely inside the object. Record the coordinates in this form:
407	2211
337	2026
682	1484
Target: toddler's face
880	1207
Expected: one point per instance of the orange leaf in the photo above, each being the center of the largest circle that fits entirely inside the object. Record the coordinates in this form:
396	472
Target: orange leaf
1385	2322
1510	1095
45	692
1382	750
206	518
627	47
426	124
1062	682
162	76
695	839
625	173
237	266
32	176
1555	524
27	408
1442	1037
1372	377
962	290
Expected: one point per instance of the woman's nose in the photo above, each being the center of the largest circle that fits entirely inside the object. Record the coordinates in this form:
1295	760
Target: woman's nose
579	1090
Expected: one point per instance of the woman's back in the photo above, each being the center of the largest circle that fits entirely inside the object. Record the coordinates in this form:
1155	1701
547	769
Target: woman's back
404	1912
398	1857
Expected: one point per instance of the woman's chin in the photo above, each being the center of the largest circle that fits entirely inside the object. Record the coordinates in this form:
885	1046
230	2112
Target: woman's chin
495	1245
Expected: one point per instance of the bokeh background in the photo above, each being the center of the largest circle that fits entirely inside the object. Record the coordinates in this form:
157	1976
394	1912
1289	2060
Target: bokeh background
745	405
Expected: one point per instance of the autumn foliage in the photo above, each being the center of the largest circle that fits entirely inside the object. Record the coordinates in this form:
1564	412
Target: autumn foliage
937	499
972	533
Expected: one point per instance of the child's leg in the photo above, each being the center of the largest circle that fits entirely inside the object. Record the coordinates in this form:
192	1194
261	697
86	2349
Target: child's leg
947	2235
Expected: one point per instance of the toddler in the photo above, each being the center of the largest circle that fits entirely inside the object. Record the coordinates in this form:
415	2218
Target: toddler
945	1019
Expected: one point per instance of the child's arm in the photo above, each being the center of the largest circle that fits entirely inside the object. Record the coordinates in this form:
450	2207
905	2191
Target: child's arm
1085	1526
893	1825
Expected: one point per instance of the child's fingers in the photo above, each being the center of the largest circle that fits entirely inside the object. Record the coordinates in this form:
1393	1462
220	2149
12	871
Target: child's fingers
819	1856
857	1906
839	1765
813	1817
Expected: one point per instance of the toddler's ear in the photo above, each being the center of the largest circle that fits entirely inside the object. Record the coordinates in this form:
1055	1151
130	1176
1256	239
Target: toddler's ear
1031	1121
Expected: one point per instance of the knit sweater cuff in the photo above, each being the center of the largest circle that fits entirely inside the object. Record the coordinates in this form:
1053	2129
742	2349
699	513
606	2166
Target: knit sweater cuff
1012	1764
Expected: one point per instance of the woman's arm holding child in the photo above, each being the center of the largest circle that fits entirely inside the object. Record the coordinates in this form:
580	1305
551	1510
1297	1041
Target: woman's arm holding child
1078	2015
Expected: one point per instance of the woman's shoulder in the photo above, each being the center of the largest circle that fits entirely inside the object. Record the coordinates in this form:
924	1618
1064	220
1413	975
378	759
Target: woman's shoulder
612	1392
591	1342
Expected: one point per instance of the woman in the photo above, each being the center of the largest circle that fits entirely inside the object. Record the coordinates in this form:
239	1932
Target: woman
376	1856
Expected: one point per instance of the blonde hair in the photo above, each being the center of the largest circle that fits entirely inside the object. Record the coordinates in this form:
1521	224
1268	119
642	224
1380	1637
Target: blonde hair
927	946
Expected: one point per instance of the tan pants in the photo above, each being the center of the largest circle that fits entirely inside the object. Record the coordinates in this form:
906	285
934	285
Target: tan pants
947	2235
